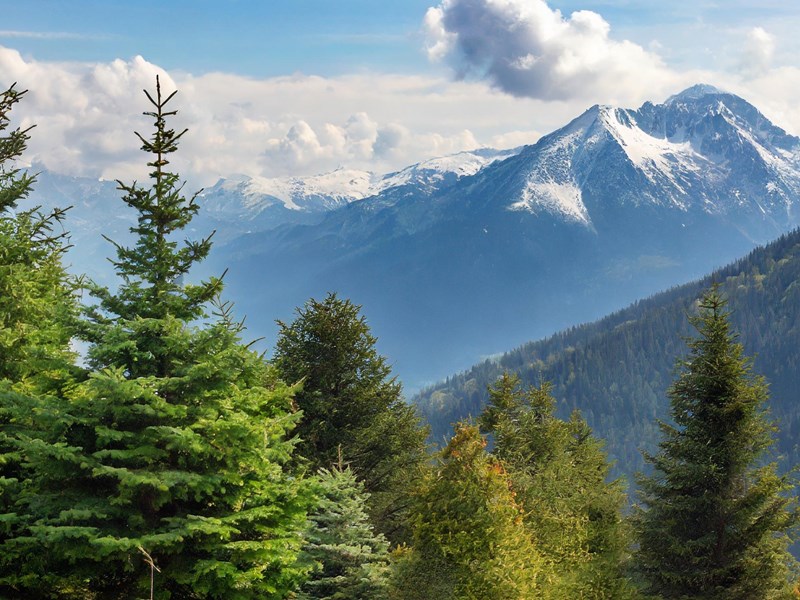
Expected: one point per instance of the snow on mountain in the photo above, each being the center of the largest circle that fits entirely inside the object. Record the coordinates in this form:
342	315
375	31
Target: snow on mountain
654	156
251	195
264	201
556	198
429	175
701	149
240	204
454	259
694	92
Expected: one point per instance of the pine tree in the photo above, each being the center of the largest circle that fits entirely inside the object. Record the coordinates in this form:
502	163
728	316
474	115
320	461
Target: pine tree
560	474
176	443
714	517
36	294
469	540
351	402
36	305
351	559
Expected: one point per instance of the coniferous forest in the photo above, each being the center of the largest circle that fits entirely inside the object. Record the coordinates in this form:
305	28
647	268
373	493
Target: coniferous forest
616	371
171	460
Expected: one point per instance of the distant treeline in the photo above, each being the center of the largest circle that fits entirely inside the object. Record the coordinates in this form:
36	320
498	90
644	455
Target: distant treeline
616	371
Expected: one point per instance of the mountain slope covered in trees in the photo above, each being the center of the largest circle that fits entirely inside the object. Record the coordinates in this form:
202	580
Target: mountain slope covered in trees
617	370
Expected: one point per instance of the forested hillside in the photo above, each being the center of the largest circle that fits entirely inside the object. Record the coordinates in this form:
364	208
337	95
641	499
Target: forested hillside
616	370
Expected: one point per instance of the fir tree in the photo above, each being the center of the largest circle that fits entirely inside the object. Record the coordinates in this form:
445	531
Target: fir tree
36	294
36	305
469	540
714	519
560	474
176	442
350	401
351	559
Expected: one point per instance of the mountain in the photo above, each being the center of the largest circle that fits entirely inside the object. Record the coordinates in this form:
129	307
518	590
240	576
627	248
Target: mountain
95	211
241	204
616	370
259	203
615	206
702	150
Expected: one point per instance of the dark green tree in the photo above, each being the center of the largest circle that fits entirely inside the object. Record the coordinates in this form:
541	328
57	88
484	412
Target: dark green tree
469	539
714	518
36	294
560	473
36	305
351	560
350	400
176	443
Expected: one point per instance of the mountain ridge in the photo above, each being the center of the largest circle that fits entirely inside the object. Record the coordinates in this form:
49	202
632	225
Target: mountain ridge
591	217
616	370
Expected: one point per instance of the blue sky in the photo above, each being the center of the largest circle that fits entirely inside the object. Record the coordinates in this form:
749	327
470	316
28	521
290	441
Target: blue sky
325	37
297	87
247	37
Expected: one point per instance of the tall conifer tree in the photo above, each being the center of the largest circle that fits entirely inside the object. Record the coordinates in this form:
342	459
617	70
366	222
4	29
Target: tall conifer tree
36	305
351	559
352	403
176	444
36	294
560	472
469	540
714	519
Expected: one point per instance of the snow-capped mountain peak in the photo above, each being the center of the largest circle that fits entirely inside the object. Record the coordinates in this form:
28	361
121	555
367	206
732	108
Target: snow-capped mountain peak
695	92
264	202
702	149
254	194
430	174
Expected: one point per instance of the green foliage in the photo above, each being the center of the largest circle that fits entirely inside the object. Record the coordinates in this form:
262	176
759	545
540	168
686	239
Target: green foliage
36	298
713	522
352	561
36	305
351	402
14	185
560	474
617	371
177	440
469	539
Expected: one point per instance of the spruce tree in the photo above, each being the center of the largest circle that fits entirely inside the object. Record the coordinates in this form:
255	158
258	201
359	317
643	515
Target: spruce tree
469	539
36	306
351	560
560	473
36	294
714	517
176	443
350	401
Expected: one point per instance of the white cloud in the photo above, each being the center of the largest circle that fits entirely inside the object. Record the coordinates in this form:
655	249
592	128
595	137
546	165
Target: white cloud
299	125
48	35
513	139
86	115
757	52
525	48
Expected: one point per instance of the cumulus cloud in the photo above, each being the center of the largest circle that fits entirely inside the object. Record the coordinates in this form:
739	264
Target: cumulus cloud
298	125
757	52
525	48
84	114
